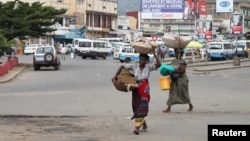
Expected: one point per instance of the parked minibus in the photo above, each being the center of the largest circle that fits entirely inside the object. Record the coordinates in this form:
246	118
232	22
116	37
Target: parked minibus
220	50
91	48
242	47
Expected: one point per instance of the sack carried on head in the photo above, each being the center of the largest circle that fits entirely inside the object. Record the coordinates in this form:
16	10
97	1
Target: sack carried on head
144	46
176	41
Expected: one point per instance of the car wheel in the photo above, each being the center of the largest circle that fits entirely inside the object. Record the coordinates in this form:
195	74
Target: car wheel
127	60
57	67
83	57
121	61
93	57
104	57
36	67
49	57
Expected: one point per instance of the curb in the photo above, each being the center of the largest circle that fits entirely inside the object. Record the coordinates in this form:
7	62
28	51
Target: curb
14	72
220	68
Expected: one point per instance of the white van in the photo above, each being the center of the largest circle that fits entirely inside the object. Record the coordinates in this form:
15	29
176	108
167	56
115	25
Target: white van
119	48
241	50
122	49
111	41
91	48
220	50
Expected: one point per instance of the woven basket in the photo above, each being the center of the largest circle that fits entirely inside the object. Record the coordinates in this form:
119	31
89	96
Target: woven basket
144	46
125	77
176	41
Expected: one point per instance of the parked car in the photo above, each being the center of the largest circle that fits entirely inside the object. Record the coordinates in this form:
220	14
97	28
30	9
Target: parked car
46	56
171	52
128	54
30	49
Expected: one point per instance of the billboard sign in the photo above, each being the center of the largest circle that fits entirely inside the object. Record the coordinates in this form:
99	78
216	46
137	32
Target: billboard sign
204	29
236	23
224	6
173	9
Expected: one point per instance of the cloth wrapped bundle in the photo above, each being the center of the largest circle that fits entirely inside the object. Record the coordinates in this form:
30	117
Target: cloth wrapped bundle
144	46
166	70
176	41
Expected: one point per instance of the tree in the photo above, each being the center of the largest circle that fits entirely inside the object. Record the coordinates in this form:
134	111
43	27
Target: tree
5	46
21	20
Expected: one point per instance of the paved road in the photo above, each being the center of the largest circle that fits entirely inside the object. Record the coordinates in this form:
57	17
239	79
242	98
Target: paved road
220	97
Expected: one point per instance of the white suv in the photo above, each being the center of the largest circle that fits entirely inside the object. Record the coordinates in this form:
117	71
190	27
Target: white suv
46	56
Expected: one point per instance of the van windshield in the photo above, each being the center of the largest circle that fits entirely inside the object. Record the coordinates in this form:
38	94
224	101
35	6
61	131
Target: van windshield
215	46
84	44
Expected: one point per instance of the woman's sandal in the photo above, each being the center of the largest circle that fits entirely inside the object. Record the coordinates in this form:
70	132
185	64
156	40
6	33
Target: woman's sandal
136	132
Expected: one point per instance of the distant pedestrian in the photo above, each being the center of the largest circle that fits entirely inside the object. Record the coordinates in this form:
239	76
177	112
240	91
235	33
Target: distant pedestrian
63	51
23	47
197	53
184	54
193	55
73	53
202	54
163	52
159	52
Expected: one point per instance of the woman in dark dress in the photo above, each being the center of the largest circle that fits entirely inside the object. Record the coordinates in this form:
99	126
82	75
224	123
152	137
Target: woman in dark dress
179	93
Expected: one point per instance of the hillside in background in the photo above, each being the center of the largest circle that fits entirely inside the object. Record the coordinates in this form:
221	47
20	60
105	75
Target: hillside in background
128	5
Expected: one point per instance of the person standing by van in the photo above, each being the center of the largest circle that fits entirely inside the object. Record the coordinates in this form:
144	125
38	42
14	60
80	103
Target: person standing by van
141	92
63	51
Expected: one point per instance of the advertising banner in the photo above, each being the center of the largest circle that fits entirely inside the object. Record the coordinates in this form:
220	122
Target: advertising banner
236	23
204	29
173	9
224	6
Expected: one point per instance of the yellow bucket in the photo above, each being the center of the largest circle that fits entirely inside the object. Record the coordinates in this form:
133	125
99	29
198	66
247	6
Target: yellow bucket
165	83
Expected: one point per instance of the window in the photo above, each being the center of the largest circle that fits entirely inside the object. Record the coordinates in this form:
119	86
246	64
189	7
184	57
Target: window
84	44
80	2
228	46
99	44
48	49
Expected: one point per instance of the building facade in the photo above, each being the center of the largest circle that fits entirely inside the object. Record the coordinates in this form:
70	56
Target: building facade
84	18
221	20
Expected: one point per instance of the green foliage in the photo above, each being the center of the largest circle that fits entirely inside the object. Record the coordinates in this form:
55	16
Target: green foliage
20	20
6	45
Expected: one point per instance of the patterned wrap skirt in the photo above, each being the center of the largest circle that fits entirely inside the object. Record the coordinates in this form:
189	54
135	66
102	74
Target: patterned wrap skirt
140	99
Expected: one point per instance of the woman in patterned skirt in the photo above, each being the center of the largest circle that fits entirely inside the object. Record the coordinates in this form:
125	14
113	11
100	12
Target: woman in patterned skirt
141	92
